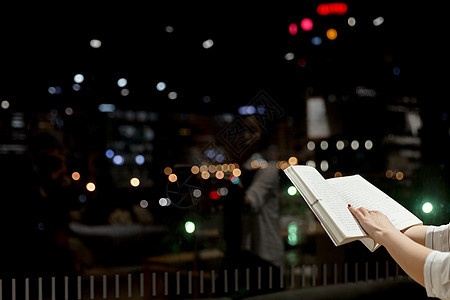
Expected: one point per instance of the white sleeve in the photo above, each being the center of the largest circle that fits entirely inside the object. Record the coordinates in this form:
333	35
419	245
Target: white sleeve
436	273
438	238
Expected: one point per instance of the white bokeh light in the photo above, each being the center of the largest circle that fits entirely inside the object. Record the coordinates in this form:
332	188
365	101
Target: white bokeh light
79	78
161	86
122	82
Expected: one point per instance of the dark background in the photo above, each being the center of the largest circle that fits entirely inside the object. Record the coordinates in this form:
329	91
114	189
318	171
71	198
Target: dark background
44	46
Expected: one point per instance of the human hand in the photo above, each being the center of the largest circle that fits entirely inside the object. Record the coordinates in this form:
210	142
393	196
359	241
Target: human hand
375	223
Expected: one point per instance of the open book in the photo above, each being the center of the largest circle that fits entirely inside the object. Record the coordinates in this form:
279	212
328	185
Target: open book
329	198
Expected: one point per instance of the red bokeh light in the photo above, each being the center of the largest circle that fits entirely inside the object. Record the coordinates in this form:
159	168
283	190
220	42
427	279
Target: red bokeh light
293	29
306	24
325	9
214	195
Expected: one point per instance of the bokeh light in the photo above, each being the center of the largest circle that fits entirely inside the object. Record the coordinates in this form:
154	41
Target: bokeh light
90	186
316	41
292	190
189	226
5	104
293	160
118	160
164	201
167	171
195	170
95	43
332	34
427	207
122	82
143	203
197	193
306	24
293	237
214	195
219	175
208	43
135	182
351	21
161	86
234	179
139	159
293	28
109	153
79	78
76	176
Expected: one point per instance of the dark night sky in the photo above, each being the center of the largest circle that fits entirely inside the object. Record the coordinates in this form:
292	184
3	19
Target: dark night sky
49	46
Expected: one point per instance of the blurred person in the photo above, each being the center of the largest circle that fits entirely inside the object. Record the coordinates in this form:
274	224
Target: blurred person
35	210
261	233
52	204
422	251
255	211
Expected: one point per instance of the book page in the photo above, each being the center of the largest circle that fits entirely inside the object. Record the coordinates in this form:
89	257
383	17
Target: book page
330	200
357	191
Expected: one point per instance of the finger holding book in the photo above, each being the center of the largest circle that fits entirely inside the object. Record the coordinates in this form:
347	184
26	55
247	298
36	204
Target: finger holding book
375	223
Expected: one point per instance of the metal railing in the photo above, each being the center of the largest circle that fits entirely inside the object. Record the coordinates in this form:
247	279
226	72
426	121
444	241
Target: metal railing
148	284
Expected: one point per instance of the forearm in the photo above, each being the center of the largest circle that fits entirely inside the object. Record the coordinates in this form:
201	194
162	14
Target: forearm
408	254
417	233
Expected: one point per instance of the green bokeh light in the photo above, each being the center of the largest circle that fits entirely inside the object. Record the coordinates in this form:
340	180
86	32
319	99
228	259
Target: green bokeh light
292	190
293	237
189	226
427	207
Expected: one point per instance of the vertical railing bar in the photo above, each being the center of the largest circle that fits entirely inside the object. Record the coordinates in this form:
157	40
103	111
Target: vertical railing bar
130	288
166	283
27	289
53	288
345	272
225	281
178	282
292	276
314	266
116	285
335	273
303	275
247	279
201	282
78	287
141	284
282	274
270	277
259	278
104	283
13	287
236	280
66	288
190	282
91	286
153	284
213	281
